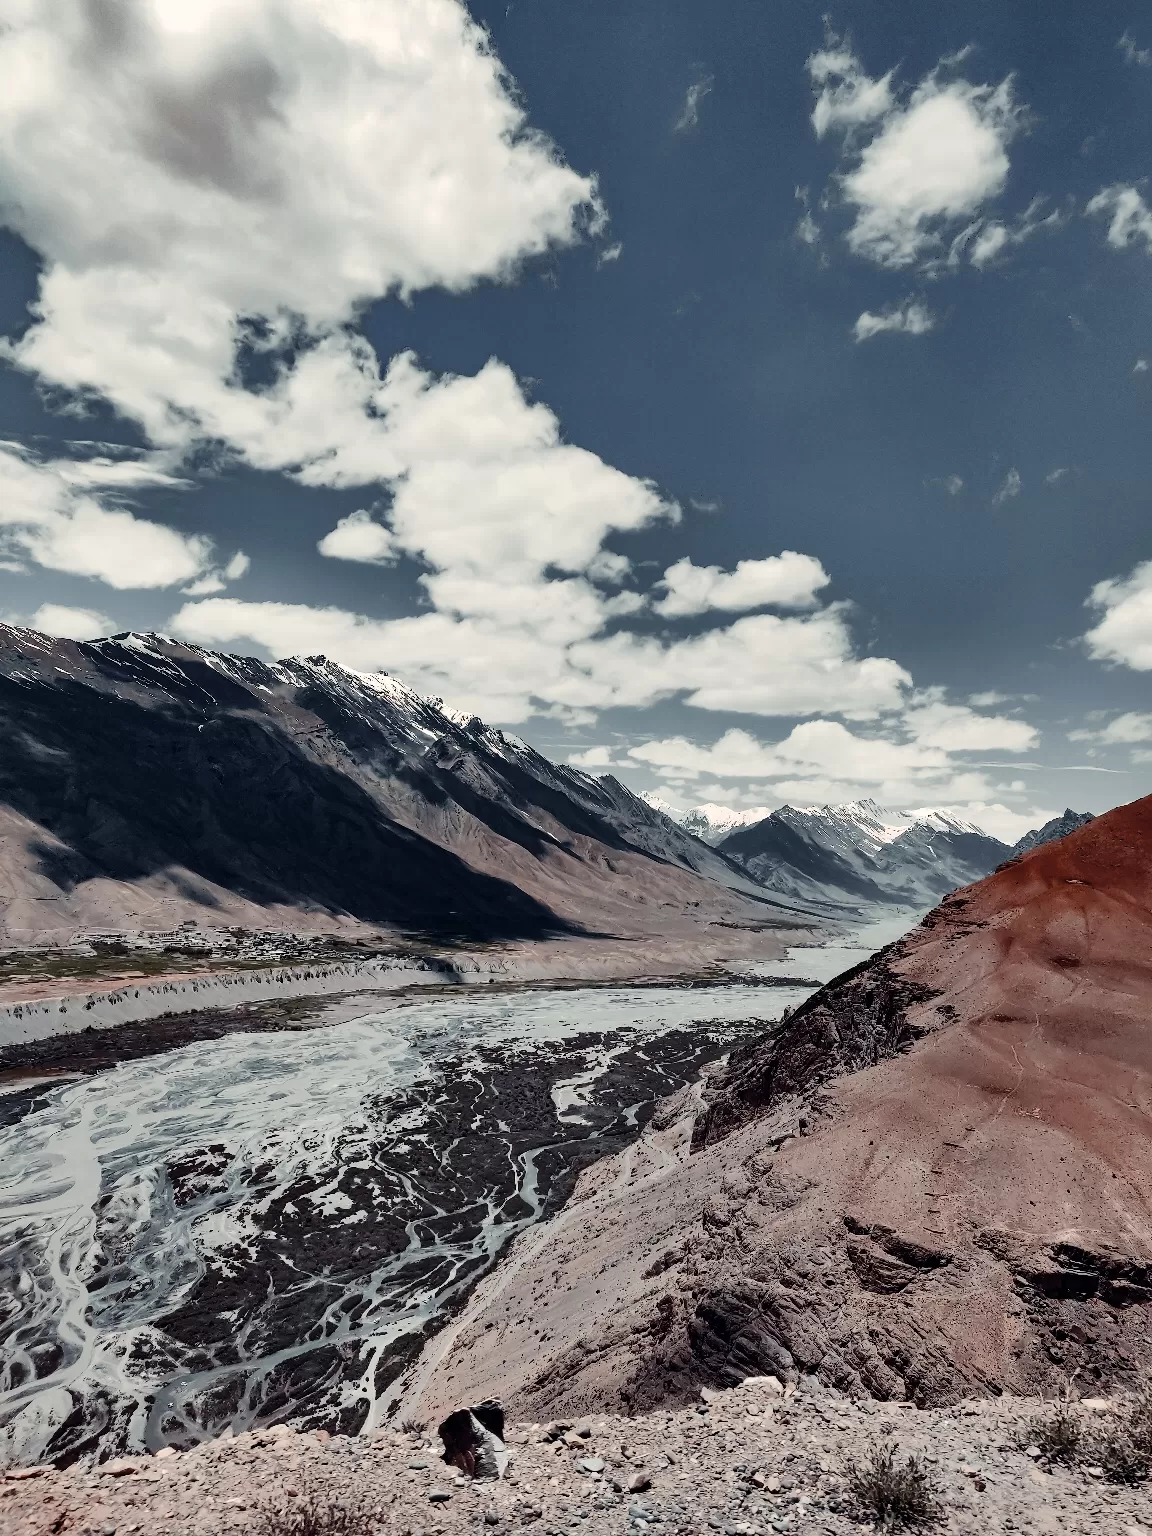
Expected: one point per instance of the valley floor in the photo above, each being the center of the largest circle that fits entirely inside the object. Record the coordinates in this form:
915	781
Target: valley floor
746	1463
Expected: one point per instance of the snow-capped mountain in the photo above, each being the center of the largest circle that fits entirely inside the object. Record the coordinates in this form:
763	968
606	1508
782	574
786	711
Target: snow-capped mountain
708	822
145	782
864	853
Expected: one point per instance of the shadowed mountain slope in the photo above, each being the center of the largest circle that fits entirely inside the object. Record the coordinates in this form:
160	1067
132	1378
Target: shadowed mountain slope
144	782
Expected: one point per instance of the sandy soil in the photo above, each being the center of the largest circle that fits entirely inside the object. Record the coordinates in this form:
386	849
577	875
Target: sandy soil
747	1463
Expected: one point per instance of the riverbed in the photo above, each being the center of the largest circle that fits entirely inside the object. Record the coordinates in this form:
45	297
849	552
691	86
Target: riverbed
264	1227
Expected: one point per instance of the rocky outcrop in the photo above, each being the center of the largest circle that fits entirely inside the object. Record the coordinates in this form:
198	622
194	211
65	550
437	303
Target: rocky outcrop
934	1179
1059	826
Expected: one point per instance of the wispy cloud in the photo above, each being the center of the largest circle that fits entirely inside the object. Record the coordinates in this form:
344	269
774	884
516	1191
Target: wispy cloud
912	318
690	112
1010	488
1133	54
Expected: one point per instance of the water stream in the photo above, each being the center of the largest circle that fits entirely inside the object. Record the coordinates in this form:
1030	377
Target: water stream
265	1226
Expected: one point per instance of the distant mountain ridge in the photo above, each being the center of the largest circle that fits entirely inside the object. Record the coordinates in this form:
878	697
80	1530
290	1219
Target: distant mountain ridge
144	782
1059	826
862	852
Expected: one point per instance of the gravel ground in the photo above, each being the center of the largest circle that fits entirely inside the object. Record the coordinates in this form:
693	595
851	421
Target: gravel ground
747	1462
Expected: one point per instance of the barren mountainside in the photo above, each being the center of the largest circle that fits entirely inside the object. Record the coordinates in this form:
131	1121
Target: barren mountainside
933	1179
144	782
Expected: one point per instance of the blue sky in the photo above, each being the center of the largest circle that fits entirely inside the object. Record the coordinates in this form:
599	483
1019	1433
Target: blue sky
749	403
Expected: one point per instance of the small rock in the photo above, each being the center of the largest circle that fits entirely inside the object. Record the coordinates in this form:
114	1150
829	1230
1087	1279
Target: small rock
556	1428
638	1482
323	1436
1094	1471
584	1430
591	1464
438	1496
1034	1451
772	1485
164	1452
21	1472
709	1394
770	1383
491	1517
417	1466
121	1467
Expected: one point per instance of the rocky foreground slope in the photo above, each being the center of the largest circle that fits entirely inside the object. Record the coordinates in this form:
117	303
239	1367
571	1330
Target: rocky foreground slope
748	1463
934	1179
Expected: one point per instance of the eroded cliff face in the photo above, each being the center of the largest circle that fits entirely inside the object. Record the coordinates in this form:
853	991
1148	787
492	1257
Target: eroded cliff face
935	1178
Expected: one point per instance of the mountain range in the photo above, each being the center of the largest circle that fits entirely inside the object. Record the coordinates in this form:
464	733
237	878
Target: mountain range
146	783
859	851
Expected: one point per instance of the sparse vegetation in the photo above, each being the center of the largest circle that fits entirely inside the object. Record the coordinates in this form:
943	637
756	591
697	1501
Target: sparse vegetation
317	1514
1059	1435
412	1426
891	1493
1122	1444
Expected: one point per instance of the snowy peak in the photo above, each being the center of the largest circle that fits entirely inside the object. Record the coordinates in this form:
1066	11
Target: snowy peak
708	822
862	851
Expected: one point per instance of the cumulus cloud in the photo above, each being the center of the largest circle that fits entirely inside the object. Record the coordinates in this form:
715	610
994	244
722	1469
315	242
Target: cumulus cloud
360	537
788	580
68	623
1123	632
929	159
912	318
1130	216
543	648
46	517
252	172
823	760
1123	730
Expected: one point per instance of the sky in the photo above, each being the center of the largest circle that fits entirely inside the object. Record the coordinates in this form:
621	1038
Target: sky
747	402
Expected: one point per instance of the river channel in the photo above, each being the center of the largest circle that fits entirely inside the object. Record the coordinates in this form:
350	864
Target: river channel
265	1227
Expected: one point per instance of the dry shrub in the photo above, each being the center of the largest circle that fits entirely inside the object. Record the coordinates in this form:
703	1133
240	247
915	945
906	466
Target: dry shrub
893	1494
1060	1435
317	1514
1122	1444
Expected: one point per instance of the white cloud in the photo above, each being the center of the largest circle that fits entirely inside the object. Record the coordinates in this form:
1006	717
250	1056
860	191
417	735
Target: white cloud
789	580
822	760
542	647
68	623
1054	476
275	159
1124	730
932	159
360	537
847	97
912	318
46	517
1010	487
1133	54
1131	218
592	757
1124	631
1140	365
957	728
690	112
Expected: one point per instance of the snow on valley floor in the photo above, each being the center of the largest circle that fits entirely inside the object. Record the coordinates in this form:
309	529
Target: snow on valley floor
266	1226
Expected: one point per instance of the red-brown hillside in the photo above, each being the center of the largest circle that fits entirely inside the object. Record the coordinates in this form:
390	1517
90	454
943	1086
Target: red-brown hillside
966	1203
